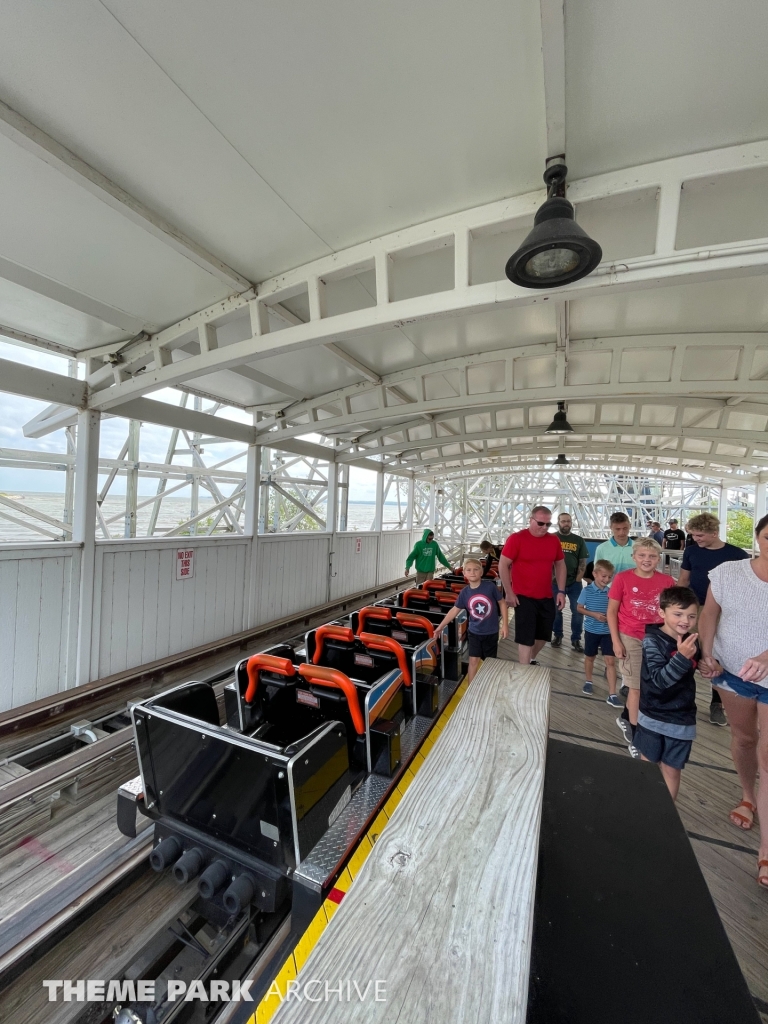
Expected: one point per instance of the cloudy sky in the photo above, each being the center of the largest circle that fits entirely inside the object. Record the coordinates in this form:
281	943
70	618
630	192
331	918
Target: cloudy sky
15	411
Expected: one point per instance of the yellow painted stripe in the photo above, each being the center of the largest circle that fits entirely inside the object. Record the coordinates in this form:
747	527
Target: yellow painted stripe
271	1001
306	943
394	799
377	826
360	856
344	880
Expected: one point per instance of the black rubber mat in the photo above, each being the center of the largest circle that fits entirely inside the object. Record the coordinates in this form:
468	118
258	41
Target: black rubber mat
625	930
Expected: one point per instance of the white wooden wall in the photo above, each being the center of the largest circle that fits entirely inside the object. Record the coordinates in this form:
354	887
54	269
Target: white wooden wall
291	573
142	613
38	620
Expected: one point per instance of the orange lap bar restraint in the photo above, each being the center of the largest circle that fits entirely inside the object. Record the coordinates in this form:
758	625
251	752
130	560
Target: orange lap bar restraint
330	632
386	643
416	620
372	612
417	592
323	676
280	666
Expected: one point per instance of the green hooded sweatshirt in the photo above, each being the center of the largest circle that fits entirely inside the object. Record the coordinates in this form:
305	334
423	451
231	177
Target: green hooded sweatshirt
426	555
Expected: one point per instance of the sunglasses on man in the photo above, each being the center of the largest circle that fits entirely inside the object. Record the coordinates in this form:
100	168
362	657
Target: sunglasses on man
539	522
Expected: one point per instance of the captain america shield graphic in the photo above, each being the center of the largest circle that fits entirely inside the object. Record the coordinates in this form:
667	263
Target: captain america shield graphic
480	607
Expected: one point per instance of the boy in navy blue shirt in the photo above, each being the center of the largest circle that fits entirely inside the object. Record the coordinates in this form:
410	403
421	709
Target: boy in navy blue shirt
593	605
484	606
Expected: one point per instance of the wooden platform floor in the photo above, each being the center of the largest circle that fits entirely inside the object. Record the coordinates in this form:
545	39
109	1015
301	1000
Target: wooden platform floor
709	789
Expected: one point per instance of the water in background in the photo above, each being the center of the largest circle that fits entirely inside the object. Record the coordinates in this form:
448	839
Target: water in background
172	512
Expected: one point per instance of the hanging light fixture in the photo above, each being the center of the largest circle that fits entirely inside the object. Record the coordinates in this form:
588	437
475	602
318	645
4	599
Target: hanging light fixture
559	424
557	251
561	460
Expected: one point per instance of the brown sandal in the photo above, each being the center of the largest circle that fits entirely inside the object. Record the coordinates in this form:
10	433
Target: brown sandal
762	879
748	821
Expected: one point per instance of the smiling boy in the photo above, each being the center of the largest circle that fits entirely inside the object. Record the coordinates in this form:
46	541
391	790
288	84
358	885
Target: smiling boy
667	718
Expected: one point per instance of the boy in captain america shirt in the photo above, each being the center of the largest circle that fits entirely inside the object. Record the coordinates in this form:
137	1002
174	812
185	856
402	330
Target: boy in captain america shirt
481	600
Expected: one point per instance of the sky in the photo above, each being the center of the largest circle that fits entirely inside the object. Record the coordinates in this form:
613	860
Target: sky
16	410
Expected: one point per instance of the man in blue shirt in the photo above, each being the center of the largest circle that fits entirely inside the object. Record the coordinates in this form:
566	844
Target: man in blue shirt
706	553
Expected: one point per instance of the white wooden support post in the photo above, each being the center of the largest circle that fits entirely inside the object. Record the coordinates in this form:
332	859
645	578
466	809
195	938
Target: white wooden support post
409	505
381	263
722	509
432	503
343	500
84	533
378	515
264	499
132	478
378	521
332	501
251	528
669	210
461	242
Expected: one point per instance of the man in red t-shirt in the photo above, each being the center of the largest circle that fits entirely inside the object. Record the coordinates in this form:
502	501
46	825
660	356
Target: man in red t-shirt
526	572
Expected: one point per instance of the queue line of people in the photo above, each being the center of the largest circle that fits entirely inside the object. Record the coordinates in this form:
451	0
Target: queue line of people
659	631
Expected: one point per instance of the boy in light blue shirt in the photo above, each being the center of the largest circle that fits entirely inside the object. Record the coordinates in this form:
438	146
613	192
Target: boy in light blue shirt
593	605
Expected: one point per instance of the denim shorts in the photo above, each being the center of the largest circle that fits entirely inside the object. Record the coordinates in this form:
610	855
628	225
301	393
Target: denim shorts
734	684
657	747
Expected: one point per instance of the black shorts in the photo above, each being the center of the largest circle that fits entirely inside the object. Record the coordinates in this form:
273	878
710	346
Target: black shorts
483	645
594	642
670	751
534	618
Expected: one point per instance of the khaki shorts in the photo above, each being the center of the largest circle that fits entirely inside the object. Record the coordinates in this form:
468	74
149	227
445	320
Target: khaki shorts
422	577
631	665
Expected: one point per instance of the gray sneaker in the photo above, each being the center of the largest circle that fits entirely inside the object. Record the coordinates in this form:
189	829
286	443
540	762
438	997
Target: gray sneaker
633	751
625	727
717	715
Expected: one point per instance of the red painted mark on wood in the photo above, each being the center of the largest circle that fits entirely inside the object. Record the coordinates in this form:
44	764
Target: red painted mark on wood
36	848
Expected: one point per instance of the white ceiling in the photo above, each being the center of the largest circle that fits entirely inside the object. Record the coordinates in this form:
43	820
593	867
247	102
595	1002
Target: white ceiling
273	134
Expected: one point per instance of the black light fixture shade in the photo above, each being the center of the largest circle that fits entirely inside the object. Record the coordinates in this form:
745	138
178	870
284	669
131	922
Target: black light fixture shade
557	250
559	424
561	460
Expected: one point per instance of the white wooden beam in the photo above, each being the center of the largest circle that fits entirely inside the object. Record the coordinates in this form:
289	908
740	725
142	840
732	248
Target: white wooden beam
42	285
151	411
361	368
34	341
31	138
18	379
632	275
